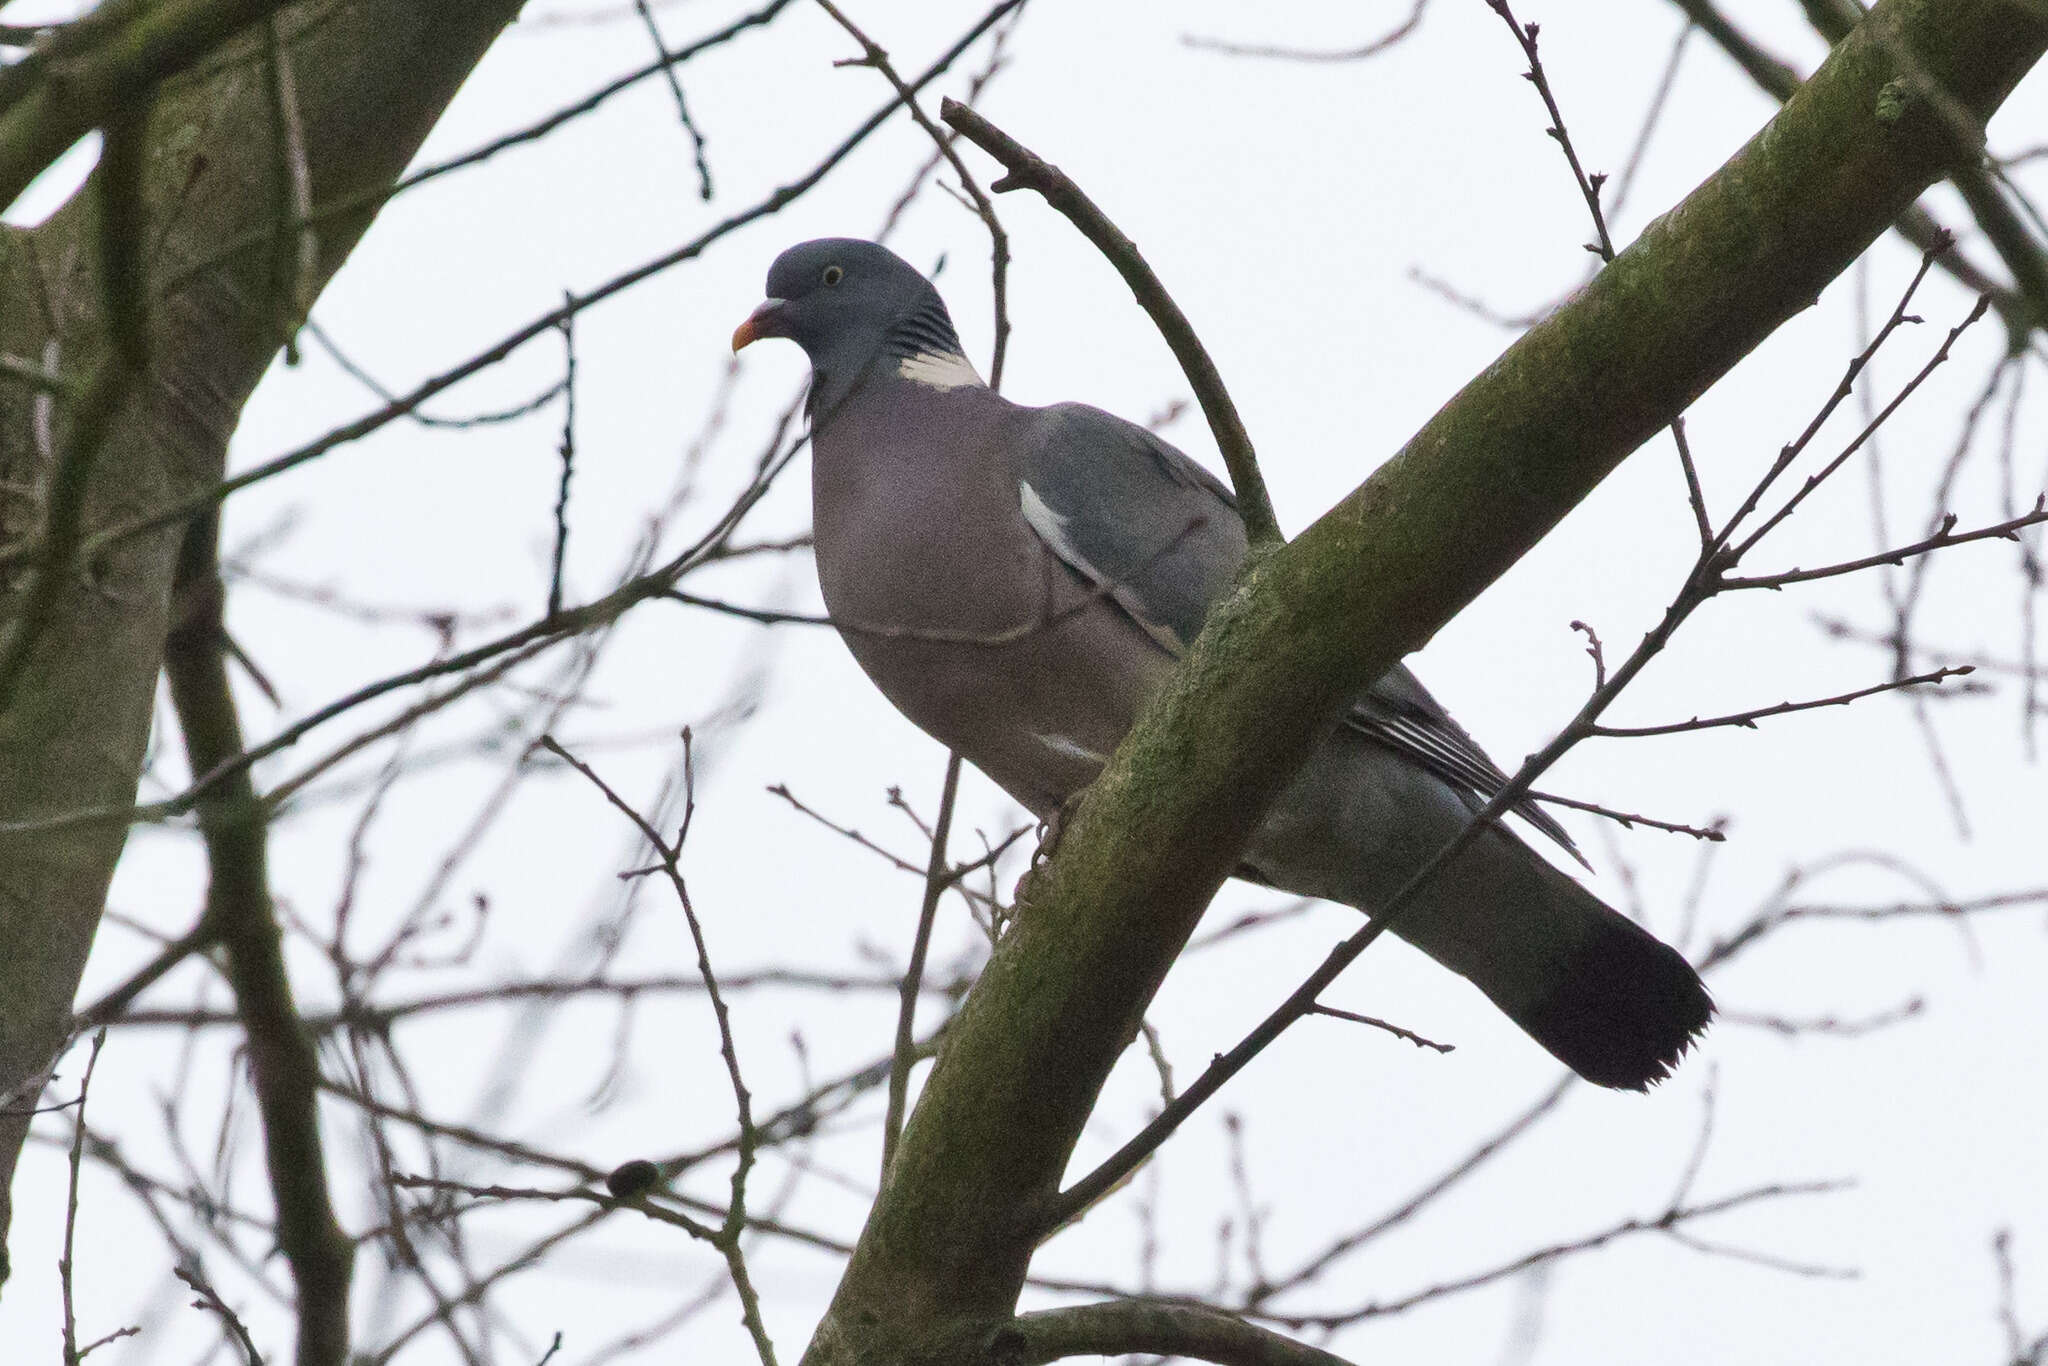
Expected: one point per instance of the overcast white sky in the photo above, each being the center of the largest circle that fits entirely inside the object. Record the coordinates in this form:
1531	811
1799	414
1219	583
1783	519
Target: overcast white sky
1286	206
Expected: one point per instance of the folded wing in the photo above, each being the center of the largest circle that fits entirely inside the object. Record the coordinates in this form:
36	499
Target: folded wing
1161	538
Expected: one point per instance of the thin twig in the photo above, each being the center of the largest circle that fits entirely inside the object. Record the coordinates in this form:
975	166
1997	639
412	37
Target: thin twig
567	624
1589	186
369	200
727	1236
1659	100
1748	719
1589	190
1396	1030
114	1003
1816	479
1947	536
1833	1025
72	1355
935	883
640	1205
1695	499
1362	52
210	1300
1313	1268
567	451
872	55
377	1017
1663	1223
675	89
1843	388
1691	1174
1776	916
1594	651
1630	819
417	414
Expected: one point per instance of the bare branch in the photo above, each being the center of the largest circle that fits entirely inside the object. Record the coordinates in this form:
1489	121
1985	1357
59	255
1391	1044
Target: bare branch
567	451
675	90
727	1236
1665	1224
210	1300
72	1354
1816	479
1314	1266
1374	48
284	1068
1843	388
2008	530
1776	915
1589	186
935	884
1748	719
1628	820
872	55
1396	1030
1027	171
1827	1024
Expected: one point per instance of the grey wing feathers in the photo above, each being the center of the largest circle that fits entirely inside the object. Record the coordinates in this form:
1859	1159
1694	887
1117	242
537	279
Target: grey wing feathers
1126	511
1161	536
1399	713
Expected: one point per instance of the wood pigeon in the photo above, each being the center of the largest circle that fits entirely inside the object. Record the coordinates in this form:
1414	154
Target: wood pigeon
1018	581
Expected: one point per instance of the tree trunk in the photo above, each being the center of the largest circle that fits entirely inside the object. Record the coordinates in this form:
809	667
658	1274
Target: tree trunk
365	81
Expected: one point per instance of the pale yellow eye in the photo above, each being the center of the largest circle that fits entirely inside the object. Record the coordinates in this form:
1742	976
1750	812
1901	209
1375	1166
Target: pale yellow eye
833	275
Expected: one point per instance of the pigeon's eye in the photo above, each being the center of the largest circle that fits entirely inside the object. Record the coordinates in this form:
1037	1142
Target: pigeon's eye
833	275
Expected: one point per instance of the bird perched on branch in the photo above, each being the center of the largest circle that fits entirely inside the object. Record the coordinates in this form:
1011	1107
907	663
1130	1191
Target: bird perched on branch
1018	581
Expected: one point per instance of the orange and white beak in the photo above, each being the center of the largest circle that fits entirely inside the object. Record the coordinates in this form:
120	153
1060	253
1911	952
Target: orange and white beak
765	321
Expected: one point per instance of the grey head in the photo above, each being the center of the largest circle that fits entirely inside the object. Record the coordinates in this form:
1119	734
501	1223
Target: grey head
849	304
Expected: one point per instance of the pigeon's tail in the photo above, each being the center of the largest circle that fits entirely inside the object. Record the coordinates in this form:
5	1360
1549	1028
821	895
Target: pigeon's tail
1601	993
1621	1007
1607	998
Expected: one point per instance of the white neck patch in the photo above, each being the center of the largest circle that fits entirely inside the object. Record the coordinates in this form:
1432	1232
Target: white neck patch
940	370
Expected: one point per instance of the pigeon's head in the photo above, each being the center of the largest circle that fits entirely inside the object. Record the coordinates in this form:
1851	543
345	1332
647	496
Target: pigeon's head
844	300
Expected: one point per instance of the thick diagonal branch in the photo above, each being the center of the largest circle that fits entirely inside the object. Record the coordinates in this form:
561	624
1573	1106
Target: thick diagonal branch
2023	306
1133	1326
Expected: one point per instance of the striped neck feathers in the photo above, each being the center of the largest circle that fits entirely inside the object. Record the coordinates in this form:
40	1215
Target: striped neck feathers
927	350
921	346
